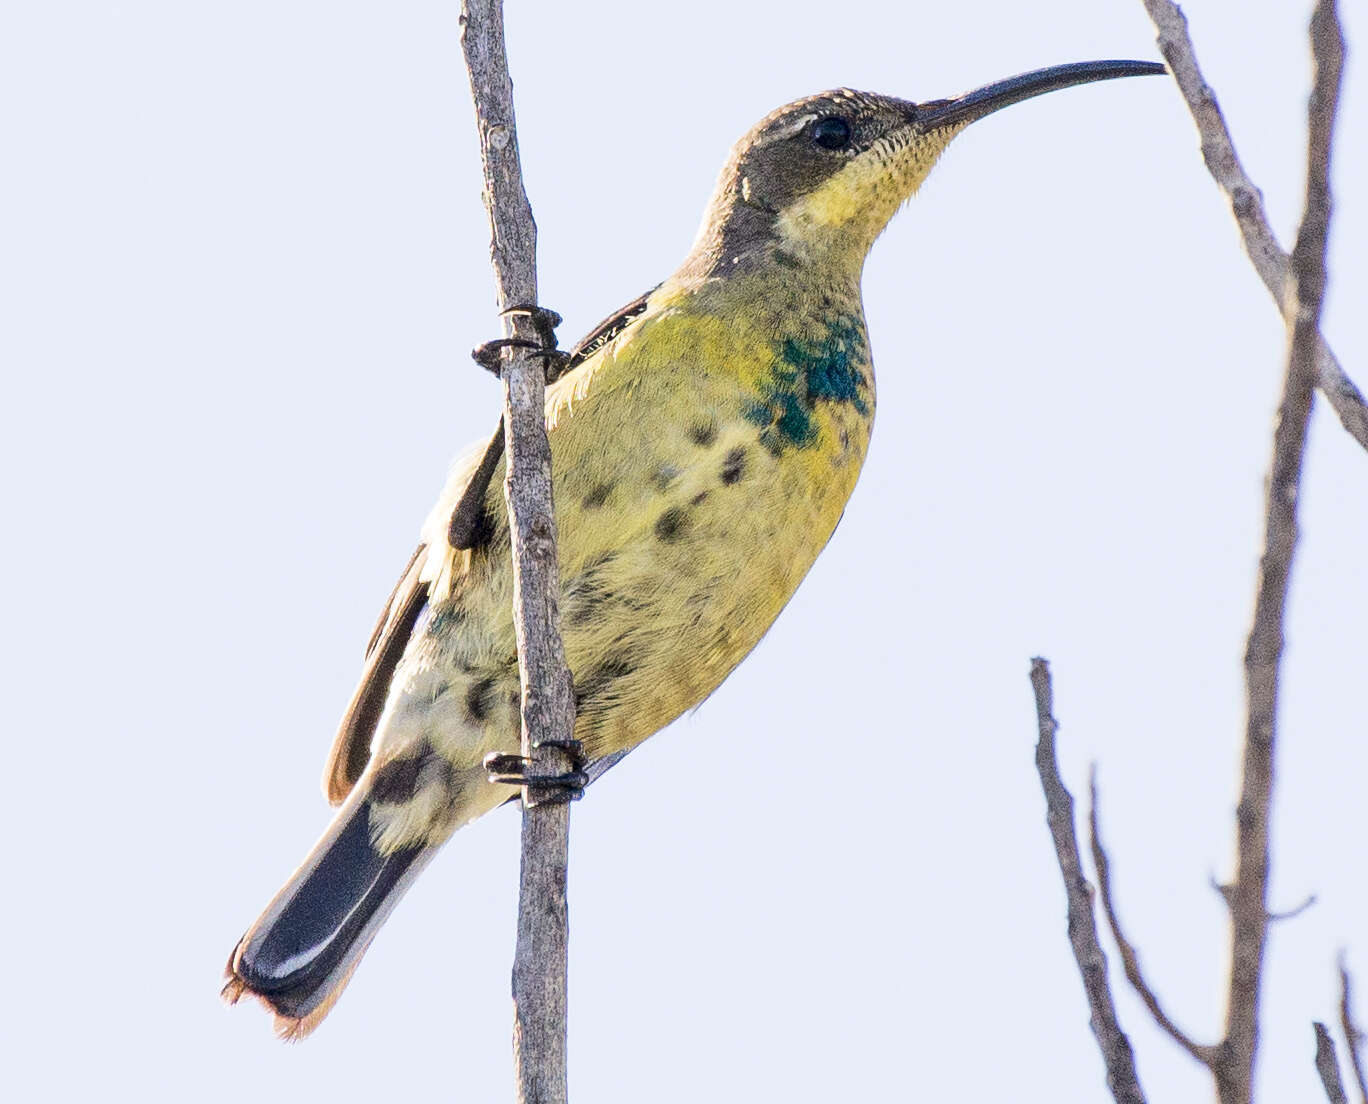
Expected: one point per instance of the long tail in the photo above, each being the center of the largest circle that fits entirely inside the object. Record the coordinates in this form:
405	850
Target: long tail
298	956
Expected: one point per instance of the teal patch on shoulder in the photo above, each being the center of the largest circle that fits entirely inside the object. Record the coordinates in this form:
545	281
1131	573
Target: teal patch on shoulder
758	413
806	372
794	423
831	367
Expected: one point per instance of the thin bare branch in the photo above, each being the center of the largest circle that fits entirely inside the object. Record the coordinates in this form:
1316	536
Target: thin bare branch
1226	895
1292	913
1246	202
548	710
1130	961
1117	1056
1353	1037
1327	1065
1249	891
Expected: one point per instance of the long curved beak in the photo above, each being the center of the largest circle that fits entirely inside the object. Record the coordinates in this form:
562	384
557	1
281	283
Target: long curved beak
993	97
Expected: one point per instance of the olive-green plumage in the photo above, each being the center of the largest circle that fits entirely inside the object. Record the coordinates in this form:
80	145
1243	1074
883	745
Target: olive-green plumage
704	441
690	503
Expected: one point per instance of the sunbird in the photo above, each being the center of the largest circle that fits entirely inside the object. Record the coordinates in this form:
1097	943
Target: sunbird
705	440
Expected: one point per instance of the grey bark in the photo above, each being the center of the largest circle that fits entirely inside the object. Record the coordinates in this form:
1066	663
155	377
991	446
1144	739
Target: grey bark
1246	203
1298	285
1353	1037
1117	1055
1327	1065
548	708
1248	895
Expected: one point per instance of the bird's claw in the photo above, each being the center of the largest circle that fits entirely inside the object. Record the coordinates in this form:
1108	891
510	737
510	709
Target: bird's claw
547	789
544	318
489	355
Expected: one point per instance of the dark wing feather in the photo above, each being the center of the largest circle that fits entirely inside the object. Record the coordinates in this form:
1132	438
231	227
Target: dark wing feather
468	527
351	747
388	611
606	330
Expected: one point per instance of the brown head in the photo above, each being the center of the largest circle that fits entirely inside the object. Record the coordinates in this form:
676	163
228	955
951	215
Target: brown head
819	178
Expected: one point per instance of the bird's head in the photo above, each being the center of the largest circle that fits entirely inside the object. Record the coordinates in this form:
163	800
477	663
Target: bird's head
820	178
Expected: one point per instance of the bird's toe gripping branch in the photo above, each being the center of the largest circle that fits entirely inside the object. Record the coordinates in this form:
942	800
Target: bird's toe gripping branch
489	355
544	789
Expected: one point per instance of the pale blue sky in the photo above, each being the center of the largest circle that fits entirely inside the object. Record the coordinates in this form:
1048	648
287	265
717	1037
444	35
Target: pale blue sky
242	259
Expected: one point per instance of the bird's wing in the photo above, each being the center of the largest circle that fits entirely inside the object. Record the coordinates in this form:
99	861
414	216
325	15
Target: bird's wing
466	492
608	329
351	746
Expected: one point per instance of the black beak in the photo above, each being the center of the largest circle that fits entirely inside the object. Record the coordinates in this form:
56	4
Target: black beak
992	97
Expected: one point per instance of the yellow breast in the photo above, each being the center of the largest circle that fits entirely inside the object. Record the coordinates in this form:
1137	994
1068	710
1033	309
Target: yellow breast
701	461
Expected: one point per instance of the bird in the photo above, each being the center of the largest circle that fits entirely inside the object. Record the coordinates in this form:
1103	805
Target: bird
705	440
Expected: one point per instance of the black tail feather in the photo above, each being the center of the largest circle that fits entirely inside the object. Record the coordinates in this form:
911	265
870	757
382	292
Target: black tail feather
305	945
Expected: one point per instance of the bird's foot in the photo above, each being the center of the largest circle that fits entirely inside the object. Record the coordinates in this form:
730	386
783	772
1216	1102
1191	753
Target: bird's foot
545	789
489	355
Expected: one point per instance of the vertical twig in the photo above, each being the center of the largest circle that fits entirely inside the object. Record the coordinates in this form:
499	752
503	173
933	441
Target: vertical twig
1327	1065
1248	895
548	710
1117	1056
1353	1037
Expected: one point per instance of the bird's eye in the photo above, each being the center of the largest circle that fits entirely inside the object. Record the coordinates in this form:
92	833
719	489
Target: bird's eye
831	133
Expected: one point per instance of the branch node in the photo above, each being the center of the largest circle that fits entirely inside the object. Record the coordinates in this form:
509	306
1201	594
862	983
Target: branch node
1292	913
1269	259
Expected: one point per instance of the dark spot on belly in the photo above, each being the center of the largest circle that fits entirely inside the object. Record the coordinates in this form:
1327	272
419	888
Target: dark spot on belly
671	524
593	687
703	434
397	781
480	699
400	780
584	598
598	495
586	594
697	499
734	466
664	476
